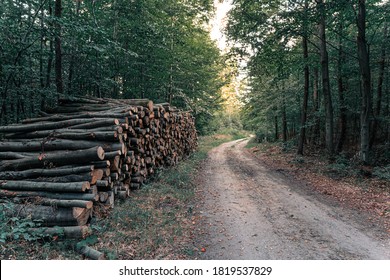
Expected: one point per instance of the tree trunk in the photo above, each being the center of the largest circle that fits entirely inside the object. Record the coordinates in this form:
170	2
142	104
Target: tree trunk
63	196
325	79
316	105
58	51
51	216
70	232
52	145
35	173
70	134
61	159
68	203
90	252
55	125
302	135
284	119
365	72
276	128
341	91
381	75
50	58
45	186
41	75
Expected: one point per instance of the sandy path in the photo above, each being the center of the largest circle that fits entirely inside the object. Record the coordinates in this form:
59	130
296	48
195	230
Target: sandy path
250	212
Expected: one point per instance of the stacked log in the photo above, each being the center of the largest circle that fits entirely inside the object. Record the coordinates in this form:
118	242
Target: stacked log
86	152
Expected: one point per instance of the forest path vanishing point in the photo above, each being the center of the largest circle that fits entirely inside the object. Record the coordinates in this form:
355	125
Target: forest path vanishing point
250	212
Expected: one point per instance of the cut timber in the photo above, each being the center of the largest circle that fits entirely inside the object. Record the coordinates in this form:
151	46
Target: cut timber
102	183
103	196
113	147
62	117
137	180
32	194
10	155
35	173
112	155
64	99
122	194
73	134
93	190
71	232
45	186
135	186
97	123
51	216
111	199
67	179
46	125
112	144
57	202
58	159
101	164
90	253
140	102
50	145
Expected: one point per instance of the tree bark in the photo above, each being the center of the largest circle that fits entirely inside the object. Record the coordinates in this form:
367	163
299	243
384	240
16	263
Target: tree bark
325	79
65	158
70	232
284	119
365	72
35	173
341	91
302	135
90	252
58	50
19	128
381	75
63	196
45	186
50	58
51	216
55	202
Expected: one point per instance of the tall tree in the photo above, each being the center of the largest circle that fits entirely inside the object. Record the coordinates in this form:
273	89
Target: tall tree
326	90
365	72
302	135
58	47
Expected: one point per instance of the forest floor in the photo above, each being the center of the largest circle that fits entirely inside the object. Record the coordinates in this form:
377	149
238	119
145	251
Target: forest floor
261	203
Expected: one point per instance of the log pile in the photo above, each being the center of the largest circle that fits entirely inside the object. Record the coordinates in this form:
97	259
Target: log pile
86	152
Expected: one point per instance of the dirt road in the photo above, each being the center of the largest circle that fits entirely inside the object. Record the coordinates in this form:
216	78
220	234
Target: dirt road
250	212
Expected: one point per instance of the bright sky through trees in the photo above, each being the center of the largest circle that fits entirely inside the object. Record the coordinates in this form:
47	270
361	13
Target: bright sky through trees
219	22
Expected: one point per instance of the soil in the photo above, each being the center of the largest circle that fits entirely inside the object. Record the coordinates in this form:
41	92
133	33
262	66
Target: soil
250	211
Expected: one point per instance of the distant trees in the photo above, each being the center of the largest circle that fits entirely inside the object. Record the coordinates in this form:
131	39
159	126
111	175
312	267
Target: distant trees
343	43
107	48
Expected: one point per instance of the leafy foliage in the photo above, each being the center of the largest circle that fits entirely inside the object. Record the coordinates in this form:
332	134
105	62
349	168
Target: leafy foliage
16	227
110	48
268	36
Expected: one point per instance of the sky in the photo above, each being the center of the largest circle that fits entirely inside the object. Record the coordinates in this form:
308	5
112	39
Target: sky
219	22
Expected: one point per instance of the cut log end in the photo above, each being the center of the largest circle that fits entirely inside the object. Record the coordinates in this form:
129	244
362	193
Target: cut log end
100	153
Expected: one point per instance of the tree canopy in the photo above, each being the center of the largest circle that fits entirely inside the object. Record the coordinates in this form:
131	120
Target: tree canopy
317	72
153	49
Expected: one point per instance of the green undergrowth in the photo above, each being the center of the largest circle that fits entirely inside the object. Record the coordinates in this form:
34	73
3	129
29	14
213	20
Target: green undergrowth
153	223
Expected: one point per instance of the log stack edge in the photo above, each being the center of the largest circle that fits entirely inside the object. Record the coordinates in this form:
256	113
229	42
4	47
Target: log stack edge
85	154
